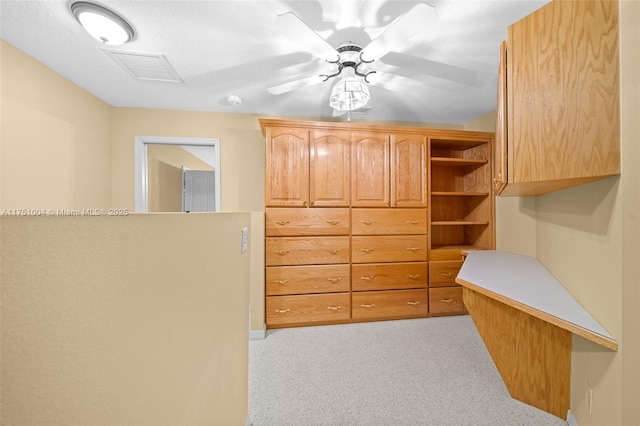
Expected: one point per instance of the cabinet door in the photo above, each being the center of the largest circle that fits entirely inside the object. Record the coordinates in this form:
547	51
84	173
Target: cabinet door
370	177
287	167
329	183
500	144
563	96
408	171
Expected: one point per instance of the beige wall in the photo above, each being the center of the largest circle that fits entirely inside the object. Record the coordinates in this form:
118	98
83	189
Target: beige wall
164	175
56	146
125	320
588	238
241	167
241	151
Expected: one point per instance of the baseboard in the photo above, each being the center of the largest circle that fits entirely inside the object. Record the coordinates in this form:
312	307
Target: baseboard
257	334
571	421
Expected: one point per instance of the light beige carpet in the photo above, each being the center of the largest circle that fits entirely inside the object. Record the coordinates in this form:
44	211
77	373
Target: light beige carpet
433	371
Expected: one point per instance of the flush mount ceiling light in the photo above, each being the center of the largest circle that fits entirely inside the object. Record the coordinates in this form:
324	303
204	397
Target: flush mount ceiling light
102	23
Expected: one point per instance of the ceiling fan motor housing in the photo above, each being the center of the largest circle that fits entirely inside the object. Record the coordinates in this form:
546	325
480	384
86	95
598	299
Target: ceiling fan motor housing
349	57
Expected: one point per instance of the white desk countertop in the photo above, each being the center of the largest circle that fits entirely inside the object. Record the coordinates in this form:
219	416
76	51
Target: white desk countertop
526	281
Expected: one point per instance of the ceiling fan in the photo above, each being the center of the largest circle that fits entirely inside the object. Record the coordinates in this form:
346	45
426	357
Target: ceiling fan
362	66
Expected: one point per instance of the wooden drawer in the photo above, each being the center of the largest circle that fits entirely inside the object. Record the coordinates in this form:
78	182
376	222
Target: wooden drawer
281	251
389	276
389	304
446	301
445	254
409	248
288	310
388	221
302	221
281	280
443	274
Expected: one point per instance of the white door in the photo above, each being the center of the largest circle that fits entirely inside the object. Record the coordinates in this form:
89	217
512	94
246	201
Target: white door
198	191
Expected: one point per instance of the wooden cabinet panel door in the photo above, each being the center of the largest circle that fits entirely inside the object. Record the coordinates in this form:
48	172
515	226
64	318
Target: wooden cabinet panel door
500	144
287	170
408	171
329	183
370	177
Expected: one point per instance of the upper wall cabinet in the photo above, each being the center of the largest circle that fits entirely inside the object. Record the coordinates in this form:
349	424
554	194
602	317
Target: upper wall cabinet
370	185
307	167
408	170
562	99
287	178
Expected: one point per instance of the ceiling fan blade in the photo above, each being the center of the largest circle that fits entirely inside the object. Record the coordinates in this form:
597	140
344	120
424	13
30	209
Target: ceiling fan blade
400	31
295	84
393	82
441	70
293	27
245	74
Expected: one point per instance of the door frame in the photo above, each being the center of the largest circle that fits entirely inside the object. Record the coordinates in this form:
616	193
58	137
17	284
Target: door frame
140	159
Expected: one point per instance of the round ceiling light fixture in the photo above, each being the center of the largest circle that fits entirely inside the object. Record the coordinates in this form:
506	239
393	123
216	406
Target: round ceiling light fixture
103	24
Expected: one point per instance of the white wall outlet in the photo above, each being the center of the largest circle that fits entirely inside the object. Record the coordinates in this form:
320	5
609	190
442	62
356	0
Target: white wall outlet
245	239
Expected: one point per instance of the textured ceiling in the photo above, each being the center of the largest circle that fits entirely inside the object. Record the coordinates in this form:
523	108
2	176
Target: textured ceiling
222	48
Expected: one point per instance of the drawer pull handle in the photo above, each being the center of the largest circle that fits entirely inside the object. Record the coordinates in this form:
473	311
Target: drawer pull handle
368	305
282	222
334	280
333	222
366	222
446	300
412	222
333	251
334	308
282	252
413	277
413	303
366	278
446	274
282	281
366	250
283	311
413	249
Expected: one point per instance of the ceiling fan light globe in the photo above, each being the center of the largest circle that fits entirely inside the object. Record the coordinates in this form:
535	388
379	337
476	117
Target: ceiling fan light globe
348	94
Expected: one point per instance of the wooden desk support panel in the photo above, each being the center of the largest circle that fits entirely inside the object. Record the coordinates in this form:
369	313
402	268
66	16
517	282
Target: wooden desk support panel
532	355
525	318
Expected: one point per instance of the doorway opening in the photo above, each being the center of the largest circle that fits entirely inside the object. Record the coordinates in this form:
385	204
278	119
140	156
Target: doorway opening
191	146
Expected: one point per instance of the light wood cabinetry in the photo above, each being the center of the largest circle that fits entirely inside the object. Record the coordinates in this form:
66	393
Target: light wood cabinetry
561	98
370	176
388	276
329	168
462	207
293	221
378	230
287	177
326	308
408	170
393	304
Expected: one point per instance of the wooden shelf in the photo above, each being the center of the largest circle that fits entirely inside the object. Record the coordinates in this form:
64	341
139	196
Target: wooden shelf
459	223
456	162
458	194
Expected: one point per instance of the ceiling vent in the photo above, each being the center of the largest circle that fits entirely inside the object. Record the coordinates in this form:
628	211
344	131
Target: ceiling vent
145	66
